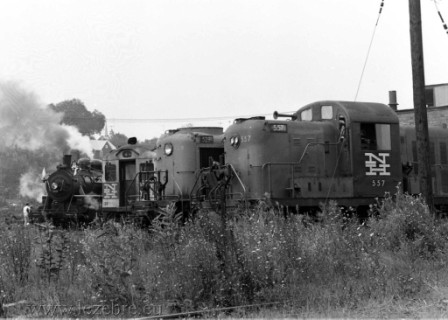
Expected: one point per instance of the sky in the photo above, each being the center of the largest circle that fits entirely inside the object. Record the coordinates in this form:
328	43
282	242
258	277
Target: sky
154	65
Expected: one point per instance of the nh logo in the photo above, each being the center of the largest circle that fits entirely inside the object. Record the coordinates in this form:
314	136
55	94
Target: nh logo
110	190
377	165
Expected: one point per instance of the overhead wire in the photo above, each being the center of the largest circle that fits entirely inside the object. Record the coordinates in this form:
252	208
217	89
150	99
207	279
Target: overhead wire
441	17
191	119
368	50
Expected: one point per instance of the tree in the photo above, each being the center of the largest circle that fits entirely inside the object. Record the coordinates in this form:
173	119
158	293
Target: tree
118	139
76	114
152	143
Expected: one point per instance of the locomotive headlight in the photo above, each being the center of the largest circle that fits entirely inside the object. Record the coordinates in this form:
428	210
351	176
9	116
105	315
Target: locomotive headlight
168	149
235	141
54	186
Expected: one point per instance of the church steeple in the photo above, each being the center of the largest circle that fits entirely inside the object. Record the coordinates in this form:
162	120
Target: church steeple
106	132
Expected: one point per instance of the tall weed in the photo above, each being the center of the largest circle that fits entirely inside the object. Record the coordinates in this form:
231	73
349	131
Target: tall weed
111	256
15	258
53	251
254	256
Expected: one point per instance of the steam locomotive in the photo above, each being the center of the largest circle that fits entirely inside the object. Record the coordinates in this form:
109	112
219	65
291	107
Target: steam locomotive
73	193
352	152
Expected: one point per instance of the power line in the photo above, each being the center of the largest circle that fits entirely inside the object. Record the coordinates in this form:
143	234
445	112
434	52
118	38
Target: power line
441	18
368	51
193	119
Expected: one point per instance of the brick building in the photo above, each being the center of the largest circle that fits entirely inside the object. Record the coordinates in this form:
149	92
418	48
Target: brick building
437	107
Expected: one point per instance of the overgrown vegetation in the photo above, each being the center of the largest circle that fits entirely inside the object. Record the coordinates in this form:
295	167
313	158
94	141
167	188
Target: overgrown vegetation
399	254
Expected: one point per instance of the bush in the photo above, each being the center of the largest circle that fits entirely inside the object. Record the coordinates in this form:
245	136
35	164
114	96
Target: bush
405	222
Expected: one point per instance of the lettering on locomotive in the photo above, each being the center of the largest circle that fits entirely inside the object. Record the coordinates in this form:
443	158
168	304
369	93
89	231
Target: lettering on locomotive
245	139
377	165
110	195
110	191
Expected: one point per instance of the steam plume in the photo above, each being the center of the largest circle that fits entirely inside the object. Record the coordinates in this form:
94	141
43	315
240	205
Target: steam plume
31	186
27	124
91	202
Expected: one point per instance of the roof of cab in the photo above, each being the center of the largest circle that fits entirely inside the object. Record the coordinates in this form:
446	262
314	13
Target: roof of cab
139	151
358	111
198	130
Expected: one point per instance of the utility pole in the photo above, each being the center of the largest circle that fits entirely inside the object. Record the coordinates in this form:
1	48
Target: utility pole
421	117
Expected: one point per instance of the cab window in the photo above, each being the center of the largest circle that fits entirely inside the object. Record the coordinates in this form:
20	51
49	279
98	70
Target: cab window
326	112
306	115
146	166
110	172
375	136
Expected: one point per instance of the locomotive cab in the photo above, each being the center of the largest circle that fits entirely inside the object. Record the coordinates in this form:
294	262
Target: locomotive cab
368	157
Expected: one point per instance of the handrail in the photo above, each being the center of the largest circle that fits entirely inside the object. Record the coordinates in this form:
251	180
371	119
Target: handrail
126	192
156	195
239	179
196	181
212	193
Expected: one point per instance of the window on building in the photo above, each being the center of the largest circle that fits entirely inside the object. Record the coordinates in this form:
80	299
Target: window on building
429	96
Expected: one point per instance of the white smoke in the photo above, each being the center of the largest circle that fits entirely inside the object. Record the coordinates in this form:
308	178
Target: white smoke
92	202
31	186
76	141
27	124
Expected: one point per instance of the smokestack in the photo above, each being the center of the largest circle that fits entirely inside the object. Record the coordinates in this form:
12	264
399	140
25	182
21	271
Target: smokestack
393	100
67	160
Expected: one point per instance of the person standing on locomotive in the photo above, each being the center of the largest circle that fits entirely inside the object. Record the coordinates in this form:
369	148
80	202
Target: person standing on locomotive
26	212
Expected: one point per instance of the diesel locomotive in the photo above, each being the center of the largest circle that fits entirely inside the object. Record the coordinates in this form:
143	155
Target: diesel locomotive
184	153
140	183
346	151
352	152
